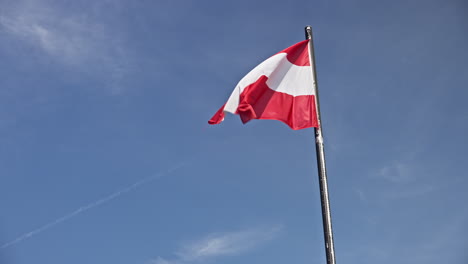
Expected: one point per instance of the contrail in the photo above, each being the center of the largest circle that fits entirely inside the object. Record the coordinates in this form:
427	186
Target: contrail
89	206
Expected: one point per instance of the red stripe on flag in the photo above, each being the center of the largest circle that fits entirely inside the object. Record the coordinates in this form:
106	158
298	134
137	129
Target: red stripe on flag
258	101
218	116
298	53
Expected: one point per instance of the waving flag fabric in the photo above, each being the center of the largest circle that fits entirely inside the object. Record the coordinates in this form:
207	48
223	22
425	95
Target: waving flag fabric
280	88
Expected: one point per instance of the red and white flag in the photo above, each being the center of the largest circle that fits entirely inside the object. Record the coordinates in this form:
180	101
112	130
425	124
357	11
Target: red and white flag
280	88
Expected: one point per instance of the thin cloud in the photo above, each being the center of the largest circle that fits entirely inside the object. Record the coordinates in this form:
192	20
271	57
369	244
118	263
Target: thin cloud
221	244
79	41
403	178
396	172
67	43
89	206
160	260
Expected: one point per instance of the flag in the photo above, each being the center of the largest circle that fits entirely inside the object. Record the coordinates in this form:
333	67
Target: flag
280	88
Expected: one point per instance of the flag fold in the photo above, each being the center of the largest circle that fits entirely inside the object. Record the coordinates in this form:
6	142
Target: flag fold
280	88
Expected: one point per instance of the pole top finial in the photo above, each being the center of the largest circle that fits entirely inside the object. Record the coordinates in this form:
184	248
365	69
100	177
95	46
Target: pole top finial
308	32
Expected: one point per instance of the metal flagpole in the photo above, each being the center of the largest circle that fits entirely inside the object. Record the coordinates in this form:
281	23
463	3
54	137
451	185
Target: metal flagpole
322	171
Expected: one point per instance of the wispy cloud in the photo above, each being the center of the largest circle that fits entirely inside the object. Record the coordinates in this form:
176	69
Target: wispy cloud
67	40
402	178
221	244
396	172
89	206
160	260
79	41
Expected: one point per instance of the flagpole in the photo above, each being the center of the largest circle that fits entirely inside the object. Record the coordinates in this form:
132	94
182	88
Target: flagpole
322	171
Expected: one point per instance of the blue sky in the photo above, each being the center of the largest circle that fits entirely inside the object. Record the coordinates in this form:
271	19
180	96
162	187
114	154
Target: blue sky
106	156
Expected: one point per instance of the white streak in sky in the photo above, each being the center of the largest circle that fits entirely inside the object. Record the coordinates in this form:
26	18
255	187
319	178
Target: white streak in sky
221	244
89	206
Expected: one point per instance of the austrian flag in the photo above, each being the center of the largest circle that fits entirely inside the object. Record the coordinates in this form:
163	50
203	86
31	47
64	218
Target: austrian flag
280	88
